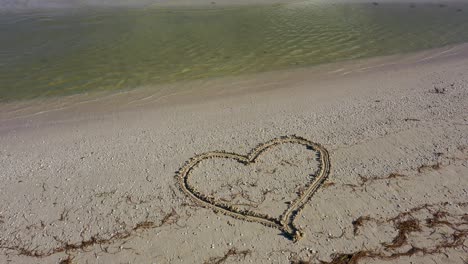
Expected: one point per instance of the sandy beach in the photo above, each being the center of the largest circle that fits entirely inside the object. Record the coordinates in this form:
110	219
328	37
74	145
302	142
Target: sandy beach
98	179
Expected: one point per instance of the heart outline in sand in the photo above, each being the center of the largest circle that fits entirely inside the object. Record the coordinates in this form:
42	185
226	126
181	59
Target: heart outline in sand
285	223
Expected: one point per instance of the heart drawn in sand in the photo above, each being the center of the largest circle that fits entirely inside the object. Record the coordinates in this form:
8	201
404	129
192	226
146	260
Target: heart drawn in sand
285	222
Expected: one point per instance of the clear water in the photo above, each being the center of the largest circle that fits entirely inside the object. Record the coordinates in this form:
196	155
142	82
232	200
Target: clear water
71	51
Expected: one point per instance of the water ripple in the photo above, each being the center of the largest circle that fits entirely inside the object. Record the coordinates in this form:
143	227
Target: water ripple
56	53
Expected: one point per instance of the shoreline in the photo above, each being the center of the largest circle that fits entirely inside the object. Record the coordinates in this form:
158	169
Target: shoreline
194	91
377	35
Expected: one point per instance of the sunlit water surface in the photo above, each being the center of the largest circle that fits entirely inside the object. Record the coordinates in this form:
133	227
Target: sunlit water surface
59	52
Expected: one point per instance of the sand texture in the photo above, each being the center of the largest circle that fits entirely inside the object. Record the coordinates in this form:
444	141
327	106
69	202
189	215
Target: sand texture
102	181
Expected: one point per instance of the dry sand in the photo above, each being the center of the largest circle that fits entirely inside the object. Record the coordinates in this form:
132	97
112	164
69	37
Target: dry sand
95	181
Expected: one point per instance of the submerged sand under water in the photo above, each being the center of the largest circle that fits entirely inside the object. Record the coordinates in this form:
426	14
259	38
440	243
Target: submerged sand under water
51	52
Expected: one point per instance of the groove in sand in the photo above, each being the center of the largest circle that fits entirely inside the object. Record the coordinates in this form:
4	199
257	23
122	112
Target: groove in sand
285	223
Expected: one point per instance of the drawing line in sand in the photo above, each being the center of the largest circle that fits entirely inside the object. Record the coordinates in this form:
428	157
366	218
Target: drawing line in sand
285	222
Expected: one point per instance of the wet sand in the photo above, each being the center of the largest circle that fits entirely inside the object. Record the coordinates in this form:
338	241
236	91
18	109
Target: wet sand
95	180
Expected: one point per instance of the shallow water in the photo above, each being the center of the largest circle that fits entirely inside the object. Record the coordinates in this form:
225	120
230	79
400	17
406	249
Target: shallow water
61	52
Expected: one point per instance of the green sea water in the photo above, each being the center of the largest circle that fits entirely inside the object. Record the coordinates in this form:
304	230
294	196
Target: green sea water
61	52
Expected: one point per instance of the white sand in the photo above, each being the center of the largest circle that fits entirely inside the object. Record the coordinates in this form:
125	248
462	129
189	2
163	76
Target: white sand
93	181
